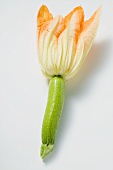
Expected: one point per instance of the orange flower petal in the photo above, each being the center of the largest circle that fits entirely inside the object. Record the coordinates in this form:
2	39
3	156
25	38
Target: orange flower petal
67	41
56	26
68	17
90	29
85	41
47	44
43	16
74	66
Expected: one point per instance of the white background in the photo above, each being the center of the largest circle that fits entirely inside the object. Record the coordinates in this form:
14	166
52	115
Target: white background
85	135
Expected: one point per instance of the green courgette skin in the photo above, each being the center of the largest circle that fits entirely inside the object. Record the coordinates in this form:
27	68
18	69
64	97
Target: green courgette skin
52	115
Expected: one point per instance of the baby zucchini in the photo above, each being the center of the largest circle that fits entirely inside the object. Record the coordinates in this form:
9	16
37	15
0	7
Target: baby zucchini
52	114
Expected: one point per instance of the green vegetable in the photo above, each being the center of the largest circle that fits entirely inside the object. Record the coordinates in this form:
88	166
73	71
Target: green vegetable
52	114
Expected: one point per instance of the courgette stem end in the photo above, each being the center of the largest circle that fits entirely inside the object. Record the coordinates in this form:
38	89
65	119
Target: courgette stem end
46	149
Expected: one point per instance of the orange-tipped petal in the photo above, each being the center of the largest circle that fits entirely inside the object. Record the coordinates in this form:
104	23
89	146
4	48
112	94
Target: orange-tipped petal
67	41
47	46
68	17
90	29
43	16
56	26
84	42
76	62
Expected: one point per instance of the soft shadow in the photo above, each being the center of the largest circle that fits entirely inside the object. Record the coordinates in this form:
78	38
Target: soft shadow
78	87
93	64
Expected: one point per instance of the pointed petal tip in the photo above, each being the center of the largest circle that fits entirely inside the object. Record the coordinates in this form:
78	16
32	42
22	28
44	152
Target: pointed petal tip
99	10
78	8
44	12
43	7
69	15
97	13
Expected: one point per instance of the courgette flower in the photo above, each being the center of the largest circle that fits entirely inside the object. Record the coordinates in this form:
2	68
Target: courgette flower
63	43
